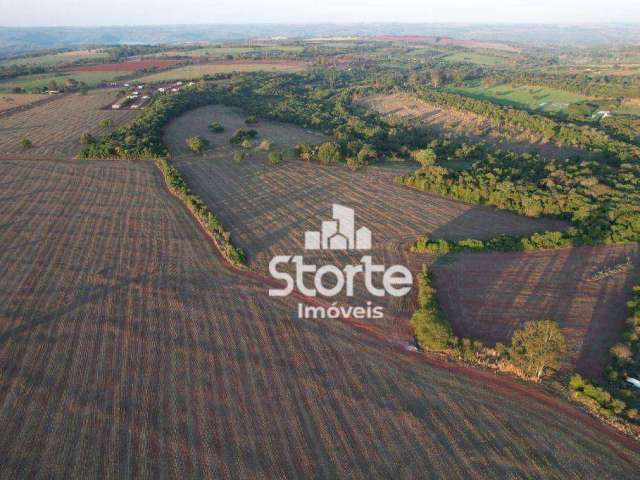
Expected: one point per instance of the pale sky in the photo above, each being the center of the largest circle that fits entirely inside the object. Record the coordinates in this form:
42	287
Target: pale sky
165	12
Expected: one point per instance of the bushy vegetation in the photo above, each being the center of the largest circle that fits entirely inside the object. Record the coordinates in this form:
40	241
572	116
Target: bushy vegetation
433	331
243	135
216	127
205	217
197	144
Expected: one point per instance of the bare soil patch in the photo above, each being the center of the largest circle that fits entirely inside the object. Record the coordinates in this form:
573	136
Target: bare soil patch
121	331
268	208
55	127
489	295
9	102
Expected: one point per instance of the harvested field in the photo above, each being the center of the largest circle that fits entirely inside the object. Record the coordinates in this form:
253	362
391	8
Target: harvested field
9	102
487	296
194	72
121	332
130	66
467	125
268	208
55	127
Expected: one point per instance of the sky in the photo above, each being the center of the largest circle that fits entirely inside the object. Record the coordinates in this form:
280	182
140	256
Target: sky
167	12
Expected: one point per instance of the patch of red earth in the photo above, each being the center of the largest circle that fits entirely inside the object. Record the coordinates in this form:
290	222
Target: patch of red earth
488	296
130	66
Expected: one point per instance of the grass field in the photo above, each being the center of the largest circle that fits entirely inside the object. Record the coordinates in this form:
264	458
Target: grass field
456	123
532	98
56	59
120	331
477	58
37	82
55	127
194	72
270	207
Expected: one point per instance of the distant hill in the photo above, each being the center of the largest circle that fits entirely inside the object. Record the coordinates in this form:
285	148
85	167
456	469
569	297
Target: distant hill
19	40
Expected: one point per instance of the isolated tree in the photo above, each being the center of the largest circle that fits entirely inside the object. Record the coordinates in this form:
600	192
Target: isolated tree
197	144
25	143
251	120
536	348
53	85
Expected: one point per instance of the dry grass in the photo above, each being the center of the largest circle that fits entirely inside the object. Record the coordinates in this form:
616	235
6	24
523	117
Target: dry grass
20	100
126	350
194	72
55	127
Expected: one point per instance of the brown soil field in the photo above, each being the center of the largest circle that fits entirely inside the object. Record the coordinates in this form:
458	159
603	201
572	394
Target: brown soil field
9	102
456	123
128	351
130	66
487	296
268	208
55	127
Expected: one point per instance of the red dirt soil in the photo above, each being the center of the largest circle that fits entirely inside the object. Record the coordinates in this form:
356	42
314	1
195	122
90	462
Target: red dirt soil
488	296
130	66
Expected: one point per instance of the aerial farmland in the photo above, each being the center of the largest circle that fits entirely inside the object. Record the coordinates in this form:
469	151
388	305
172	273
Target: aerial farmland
320	251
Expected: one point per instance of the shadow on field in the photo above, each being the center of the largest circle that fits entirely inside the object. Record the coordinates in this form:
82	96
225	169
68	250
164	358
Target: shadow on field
489	295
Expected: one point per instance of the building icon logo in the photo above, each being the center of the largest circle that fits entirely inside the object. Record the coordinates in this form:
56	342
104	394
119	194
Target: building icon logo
339	233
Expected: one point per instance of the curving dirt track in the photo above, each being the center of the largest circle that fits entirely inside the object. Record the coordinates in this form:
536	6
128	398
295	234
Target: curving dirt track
122	331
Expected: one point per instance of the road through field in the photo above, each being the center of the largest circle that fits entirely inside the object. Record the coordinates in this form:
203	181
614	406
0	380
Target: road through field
128	349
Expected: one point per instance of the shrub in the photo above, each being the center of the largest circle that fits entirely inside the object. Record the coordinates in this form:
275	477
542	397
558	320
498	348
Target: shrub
239	155
87	139
243	134
197	144
329	152
106	123
274	158
246	144
251	120
216	127
265	145
25	143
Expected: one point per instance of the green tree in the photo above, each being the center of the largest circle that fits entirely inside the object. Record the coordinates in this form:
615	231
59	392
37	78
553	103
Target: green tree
536	348
197	144
25	143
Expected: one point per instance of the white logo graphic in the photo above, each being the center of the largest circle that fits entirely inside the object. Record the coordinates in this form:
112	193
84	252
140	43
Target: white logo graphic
339	233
